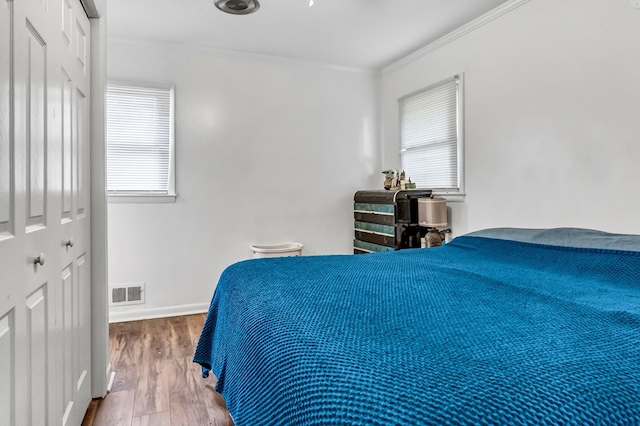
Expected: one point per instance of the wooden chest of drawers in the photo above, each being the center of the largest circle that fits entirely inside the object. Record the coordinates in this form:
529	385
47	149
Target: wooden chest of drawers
386	220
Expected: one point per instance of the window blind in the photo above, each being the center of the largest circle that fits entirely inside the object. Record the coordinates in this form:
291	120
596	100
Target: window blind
429	136
139	140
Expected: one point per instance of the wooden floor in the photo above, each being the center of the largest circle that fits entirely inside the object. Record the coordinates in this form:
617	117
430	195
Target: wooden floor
156	383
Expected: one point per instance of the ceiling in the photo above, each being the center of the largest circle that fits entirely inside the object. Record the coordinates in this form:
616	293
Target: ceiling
368	34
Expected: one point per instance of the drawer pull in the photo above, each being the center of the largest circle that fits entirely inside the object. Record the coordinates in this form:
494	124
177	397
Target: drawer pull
373	212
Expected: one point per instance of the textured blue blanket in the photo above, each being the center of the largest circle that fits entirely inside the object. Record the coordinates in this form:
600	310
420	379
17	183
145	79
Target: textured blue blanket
480	331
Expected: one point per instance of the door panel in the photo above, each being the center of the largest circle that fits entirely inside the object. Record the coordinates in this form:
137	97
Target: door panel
84	329
67	147
67	20
6	169
82	138
38	351
36	127
81	42
12	309
67	329
45	307
7	369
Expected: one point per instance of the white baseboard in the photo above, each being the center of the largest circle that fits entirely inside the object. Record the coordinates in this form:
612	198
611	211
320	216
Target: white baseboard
150	313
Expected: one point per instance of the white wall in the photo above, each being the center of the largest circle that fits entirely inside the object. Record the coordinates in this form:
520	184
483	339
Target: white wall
267	152
552	115
272	151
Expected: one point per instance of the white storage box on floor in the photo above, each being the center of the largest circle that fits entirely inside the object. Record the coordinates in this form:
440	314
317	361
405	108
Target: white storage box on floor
278	250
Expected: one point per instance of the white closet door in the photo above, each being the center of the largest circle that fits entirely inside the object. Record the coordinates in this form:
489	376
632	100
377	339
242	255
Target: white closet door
11	279
44	219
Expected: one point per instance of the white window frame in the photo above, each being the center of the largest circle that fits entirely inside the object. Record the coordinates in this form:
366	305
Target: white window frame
171	195
451	194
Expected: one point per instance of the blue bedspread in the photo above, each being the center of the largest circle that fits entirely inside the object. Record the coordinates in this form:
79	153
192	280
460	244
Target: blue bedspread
480	331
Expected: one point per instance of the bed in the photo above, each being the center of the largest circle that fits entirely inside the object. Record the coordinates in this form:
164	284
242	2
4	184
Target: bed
502	326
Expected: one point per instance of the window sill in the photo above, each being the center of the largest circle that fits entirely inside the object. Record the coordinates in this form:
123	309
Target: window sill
453	197
141	199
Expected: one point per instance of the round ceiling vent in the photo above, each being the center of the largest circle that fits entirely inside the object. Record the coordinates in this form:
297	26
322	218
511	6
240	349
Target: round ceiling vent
238	7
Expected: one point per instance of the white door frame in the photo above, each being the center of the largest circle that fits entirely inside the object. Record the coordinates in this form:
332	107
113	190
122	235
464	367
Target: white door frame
96	10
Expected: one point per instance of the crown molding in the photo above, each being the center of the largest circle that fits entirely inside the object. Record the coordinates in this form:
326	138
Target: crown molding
456	34
203	50
431	47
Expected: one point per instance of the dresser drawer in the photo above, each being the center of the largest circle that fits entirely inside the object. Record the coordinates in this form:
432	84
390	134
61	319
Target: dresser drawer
381	240
375	228
367	247
388	209
371	217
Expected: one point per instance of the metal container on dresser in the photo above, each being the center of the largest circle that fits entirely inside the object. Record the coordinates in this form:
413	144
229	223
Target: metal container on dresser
386	220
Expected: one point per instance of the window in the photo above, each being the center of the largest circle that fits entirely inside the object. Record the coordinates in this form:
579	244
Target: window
431	137
140	145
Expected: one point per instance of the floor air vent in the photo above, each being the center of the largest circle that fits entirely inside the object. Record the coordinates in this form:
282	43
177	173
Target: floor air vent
128	294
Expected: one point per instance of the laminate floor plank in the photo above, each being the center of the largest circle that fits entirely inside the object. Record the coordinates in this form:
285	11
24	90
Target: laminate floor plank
217	408
152	393
156	419
179	338
195	323
181	379
126	377
219	417
90	415
156	382
125	344
116	409
156	341
186	411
